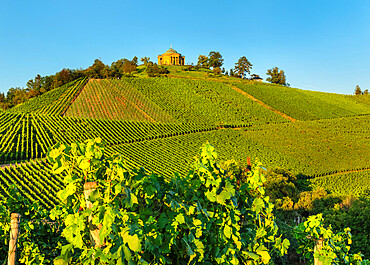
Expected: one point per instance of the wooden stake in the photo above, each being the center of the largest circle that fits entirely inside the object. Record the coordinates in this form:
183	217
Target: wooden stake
318	247
15	219
249	164
94	230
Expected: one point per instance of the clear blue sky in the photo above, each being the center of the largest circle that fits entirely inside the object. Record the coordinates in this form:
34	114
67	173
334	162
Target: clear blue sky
321	45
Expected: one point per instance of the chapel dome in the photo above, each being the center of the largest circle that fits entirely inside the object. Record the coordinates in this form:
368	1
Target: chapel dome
171	51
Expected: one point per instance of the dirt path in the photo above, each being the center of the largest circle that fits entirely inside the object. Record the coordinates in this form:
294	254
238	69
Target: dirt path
11	165
5	165
262	104
21	163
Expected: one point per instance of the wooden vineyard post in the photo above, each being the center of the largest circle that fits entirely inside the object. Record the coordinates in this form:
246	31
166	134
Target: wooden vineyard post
318	247
249	165
94	230
15	219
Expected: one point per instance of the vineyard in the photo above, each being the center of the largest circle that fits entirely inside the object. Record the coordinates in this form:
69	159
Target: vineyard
158	124
114	99
163	120
168	100
353	183
54	102
304	104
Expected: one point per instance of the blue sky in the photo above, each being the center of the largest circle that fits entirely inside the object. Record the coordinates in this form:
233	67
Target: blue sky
321	45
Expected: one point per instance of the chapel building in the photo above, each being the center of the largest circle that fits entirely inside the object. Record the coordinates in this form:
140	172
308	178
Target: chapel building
171	57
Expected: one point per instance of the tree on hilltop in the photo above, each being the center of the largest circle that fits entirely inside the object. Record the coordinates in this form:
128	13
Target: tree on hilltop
231	72
366	92
215	59
145	60
242	66
358	90
276	76
217	70
135	61
122	67
203	61
97	70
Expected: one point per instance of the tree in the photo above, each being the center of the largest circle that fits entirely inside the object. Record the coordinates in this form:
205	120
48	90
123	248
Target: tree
276	76
243	66
215	59
366	92
217	70
231	72
203	61
135	61
145	60
358	90
96	70
255	76
153	70
128	66
34	85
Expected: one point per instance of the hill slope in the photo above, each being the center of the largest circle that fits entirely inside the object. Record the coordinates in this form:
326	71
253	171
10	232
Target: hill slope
54	102
160	123
181	99
113	99
303	104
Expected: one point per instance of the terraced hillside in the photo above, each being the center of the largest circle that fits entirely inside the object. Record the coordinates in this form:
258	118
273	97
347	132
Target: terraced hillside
160	123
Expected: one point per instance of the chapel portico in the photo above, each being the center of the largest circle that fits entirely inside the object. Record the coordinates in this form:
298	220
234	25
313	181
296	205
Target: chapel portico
171	57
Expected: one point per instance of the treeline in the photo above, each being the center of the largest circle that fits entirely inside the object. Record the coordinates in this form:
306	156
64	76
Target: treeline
42	84
242	67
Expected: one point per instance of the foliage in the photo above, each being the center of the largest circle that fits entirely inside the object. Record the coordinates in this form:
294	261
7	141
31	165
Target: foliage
276	76
335	247
281	184
354	213
232	72
215	59
203	61
204	218
38	238
358	90
242	66
145	60
153	70
123	67
217	70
